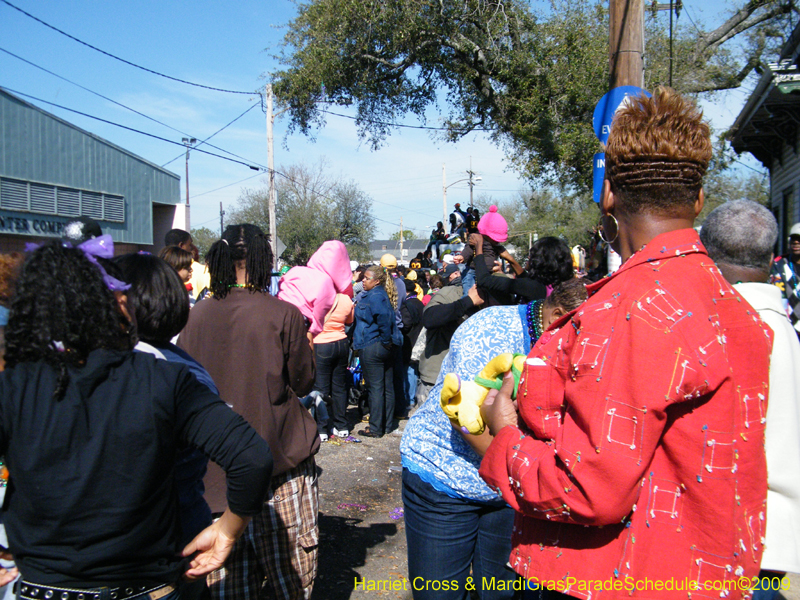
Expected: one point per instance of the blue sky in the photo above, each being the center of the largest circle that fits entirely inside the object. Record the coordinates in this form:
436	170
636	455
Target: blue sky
229	45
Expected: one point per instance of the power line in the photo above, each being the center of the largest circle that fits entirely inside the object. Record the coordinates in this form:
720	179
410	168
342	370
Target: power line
250	164
158	137
685	8
226	186
205	141
133	110
398	125
127	62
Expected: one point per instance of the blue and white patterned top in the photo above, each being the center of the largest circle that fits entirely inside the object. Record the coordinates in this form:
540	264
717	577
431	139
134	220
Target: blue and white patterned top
431	448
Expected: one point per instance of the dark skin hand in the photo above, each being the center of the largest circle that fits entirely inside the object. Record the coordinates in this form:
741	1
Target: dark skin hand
499	410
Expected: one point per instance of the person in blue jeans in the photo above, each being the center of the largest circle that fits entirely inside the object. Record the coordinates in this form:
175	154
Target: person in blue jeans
454	522
378	340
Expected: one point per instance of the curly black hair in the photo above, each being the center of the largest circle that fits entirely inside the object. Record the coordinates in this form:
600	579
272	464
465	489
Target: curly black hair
157	297
61	311
550	261
242	242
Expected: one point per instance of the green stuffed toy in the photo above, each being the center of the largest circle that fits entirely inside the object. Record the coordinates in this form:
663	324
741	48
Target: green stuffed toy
462	400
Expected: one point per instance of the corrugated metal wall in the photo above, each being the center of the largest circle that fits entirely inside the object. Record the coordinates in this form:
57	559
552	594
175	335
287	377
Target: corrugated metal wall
39	147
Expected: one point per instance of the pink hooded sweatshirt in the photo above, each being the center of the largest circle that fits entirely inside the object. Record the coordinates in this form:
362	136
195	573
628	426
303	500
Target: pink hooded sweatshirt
313	289
332	259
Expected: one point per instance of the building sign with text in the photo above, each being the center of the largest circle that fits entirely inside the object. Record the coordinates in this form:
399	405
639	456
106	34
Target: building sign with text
33	225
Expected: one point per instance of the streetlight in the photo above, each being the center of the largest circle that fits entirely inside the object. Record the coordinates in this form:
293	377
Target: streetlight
472	179
189	143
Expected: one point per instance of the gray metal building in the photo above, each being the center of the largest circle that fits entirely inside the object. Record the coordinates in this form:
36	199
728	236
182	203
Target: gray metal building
51	170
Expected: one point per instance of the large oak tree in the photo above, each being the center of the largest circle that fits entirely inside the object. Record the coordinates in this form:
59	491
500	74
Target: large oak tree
529	79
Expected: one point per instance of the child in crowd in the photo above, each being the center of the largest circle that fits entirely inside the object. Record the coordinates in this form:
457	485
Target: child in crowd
180	260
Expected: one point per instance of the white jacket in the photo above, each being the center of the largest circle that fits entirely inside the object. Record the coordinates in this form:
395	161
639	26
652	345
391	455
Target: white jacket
782	544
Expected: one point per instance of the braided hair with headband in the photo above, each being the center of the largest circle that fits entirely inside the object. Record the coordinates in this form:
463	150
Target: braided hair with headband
387	281
239	243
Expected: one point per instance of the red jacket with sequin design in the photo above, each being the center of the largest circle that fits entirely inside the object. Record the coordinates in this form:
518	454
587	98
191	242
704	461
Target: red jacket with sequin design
639	470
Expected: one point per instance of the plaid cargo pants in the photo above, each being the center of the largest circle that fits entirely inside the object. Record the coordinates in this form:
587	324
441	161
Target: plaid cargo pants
276	557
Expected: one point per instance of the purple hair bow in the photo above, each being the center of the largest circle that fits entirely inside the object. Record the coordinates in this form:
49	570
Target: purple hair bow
102	247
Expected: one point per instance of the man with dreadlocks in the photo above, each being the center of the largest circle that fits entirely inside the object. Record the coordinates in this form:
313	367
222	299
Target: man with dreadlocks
256	349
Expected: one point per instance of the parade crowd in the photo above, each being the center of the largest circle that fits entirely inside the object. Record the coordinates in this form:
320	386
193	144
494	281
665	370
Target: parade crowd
159	417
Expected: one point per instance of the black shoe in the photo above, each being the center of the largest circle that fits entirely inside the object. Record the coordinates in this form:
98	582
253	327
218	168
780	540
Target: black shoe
367	432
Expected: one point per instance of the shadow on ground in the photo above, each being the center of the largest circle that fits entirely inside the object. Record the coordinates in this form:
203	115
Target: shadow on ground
345	542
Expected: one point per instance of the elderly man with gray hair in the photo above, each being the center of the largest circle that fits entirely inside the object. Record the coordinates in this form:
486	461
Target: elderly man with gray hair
740	237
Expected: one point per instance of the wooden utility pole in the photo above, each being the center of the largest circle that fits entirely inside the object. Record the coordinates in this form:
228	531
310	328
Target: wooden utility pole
221	222
273	195
626	43
444	198
401	239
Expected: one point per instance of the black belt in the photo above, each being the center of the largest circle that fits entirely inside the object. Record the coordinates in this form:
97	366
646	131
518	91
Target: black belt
35	591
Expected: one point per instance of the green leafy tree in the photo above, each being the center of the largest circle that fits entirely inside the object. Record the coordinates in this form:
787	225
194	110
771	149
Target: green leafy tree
407	235
721	183
540	212
530	80
311	208
203	238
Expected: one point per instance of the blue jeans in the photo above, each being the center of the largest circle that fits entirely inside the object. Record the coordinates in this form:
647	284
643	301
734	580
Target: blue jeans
467	279
544	594
319	412
377	365
446	536
399	378
767	581
331	381
411	383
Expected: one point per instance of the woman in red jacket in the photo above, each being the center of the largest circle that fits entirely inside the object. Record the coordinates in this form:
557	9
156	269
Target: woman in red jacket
636	464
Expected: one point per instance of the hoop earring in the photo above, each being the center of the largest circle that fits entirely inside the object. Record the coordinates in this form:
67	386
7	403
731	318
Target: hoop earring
601	230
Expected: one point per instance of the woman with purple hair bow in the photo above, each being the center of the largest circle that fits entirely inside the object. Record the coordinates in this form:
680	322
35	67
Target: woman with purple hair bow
90	431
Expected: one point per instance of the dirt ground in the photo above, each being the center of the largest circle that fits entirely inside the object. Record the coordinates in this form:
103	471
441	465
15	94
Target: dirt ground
362	531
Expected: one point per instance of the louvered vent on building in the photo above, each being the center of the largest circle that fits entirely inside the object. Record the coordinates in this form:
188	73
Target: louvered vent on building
13	194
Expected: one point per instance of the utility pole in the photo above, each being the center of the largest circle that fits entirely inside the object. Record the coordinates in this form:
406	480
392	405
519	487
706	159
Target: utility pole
675	7
473	180
444	197
188	142
401	238
221	225
273	226
626	43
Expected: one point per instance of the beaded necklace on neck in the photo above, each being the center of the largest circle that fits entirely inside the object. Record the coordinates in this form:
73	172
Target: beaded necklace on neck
535	314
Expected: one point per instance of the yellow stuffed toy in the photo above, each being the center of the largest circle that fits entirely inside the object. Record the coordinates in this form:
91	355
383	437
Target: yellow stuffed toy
461	400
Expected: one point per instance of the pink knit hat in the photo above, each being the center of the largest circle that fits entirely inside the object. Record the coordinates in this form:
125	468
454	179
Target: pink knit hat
311	291
493	225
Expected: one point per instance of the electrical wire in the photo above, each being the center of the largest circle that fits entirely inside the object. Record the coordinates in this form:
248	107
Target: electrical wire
158	137
250	164
133	110
226	186
127	62
398	125
685	8
205	141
